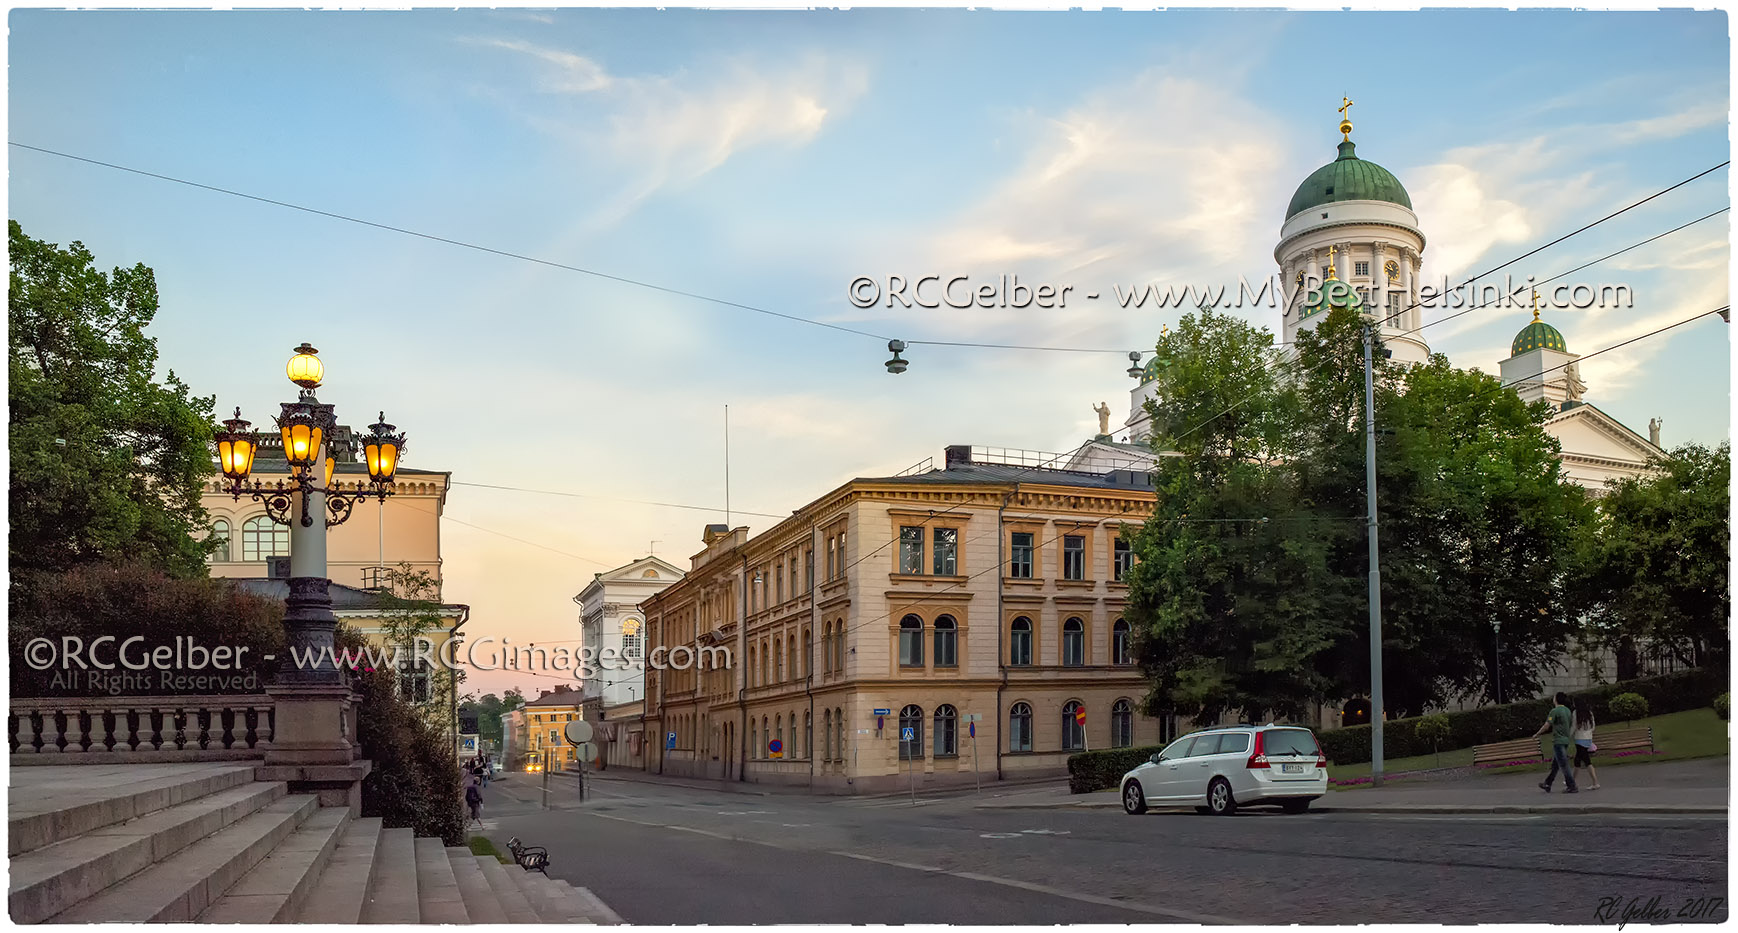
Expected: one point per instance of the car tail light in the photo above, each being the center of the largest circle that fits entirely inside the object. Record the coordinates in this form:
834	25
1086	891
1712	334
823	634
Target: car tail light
1321	760
1257	759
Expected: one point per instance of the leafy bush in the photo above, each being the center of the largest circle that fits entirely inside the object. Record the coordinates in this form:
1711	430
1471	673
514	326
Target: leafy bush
1435	729
415	781
1090	771
1628	706
1671	693
127	599
1723	705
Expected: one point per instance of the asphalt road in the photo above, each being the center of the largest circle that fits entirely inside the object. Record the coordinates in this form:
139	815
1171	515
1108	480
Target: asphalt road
670	855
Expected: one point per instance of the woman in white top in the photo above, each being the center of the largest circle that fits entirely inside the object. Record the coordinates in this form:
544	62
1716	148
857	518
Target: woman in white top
1584	744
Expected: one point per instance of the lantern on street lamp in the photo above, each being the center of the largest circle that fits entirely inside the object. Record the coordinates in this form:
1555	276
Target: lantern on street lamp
303	434
236	444
305	368
381	450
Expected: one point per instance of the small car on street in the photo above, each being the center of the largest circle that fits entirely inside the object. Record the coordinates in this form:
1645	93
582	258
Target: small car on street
1221	769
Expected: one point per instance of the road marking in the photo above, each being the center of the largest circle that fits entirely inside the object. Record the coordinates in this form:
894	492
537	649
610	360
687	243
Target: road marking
998	835
1047	832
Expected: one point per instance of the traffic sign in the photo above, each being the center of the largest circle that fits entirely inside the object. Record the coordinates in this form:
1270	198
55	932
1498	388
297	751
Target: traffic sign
1080	715
883	712
907	734
578	732
585	750
776	748
972	717
670	740
972	729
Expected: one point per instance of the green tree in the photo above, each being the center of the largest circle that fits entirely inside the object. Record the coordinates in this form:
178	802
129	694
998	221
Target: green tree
1656	564
108	462
413	617
489	709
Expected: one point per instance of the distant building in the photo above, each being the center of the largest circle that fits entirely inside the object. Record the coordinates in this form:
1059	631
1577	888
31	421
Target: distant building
535	733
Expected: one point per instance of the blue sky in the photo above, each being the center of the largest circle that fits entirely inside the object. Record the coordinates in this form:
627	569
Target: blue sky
770	157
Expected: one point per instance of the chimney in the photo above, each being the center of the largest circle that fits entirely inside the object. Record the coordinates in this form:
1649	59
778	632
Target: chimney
959	454
714	532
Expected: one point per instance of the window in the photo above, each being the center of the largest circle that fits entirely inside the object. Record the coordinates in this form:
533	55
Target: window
827	734
1119	643
1073	733
946	642
630	646
1233	743
220	535
808	733
809	568
1073	557
911	642
1122	560
753	739
791	664
832	557
1020	728
946	551
911	549
827	648
751	667
1394	304
1074	643
839	724
911	717
779	585
778	660
945	746
1360	268
554	736
1289	742
778	722
262	538
765	736
413	681
1020	560
809	651
1122	724
1020	643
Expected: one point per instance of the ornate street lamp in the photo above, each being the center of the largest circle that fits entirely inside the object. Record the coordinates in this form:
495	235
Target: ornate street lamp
381	450
235	448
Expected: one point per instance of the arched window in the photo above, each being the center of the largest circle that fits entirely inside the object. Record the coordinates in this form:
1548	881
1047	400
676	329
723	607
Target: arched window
827	734
1122	724
765	735
630	645
911	642
1020	643
809	734
1119	643
791	664
839	726
1020	728
262	538
753	739
778	660
1073	733
946	642
1074	643
808	652
911	718
751	667
220	536
839	649
778	723
945	744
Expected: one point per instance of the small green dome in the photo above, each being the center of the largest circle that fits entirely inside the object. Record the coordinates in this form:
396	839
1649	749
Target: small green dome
1150	371
1348	178
1335	294
1538	335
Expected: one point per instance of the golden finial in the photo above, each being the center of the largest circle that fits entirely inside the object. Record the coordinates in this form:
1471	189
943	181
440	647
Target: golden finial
1535	304
1332	250
1346	116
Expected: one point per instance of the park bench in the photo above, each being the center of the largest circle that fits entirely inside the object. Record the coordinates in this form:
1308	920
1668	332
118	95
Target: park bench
1531	749
530	858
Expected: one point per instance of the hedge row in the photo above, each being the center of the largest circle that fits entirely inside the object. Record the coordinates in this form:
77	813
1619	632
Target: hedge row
1090	771
1671	693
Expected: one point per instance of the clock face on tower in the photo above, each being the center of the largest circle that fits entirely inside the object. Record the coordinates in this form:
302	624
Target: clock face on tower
1392	268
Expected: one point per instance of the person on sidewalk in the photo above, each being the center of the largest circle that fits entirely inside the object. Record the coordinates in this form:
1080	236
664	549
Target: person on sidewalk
474	800
1584	744
1561	724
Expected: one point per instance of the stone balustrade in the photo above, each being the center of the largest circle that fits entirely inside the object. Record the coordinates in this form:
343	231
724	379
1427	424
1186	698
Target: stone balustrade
63	730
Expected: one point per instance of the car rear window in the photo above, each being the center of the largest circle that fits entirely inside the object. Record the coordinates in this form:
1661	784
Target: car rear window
1289	742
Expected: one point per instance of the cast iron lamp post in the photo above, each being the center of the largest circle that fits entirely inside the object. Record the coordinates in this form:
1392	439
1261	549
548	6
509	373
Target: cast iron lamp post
309	502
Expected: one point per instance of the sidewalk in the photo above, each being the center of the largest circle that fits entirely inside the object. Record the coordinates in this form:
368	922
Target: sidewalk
630	776
1669	787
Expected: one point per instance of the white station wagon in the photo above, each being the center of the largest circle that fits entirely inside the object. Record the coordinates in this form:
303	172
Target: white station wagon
1219	770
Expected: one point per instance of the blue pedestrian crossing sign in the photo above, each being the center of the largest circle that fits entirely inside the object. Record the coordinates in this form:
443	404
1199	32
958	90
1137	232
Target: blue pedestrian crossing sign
670	740
907	734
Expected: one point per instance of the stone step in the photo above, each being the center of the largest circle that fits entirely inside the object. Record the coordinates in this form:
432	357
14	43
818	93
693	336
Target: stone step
183	885
275	889
48	880
392	894
70	800
343	885
437	891
480	902
579	905
512	899
594	907
538	890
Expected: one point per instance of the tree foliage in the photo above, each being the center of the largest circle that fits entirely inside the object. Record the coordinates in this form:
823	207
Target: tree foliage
107	461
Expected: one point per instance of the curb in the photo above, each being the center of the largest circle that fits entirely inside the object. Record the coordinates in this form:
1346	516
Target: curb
1469	809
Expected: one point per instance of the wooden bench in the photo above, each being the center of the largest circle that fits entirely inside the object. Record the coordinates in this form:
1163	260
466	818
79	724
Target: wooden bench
1530	749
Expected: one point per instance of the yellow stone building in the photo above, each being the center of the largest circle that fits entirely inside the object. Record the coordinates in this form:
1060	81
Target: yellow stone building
534	734
984	597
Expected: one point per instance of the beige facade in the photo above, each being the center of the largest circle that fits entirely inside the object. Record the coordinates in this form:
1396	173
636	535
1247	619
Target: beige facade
534	734
981	589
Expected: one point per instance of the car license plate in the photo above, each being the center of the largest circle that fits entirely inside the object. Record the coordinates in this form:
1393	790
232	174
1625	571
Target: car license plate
1291	769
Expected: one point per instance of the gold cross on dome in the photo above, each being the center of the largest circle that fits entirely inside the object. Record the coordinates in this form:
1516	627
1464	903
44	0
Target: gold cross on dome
1346	106
1332	251
1535	304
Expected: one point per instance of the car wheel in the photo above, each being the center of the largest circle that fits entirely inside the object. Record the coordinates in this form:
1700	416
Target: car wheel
1134	803
1295	806
1219	799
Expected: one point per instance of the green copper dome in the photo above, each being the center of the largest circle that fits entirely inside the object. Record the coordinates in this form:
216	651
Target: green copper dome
1335	294
1538	335
1348	178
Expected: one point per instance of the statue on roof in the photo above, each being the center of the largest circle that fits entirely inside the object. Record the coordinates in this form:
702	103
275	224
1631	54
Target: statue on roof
1103	417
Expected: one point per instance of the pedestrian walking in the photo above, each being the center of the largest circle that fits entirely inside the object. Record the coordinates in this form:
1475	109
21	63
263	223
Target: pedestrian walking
1584	744
474	800
1561	724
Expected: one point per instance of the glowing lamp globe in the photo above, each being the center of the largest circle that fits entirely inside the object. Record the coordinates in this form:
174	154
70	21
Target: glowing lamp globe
382	449
235	448
302	437
305	368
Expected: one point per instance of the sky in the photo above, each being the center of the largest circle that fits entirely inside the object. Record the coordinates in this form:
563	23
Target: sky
770	158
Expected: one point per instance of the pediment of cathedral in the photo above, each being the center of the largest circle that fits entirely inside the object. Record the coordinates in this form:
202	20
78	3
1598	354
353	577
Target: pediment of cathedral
1585	431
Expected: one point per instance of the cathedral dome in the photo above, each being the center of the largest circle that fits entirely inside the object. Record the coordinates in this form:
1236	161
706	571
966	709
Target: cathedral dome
1538	335
1348	178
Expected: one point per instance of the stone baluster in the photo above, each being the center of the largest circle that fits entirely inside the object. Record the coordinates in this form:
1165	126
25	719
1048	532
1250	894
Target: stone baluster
74	730
50	731
100	729
181	740
26	734
263	730
157	715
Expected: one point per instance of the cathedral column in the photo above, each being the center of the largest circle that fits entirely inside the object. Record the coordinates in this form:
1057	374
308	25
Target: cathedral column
1379	276
1408	290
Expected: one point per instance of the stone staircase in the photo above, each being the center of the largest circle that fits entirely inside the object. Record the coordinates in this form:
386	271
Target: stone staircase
208	843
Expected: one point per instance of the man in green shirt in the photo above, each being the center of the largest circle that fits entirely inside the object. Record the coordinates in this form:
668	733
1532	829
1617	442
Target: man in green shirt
1561	724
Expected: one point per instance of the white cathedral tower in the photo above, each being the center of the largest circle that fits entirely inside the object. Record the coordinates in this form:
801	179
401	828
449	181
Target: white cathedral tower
1355	216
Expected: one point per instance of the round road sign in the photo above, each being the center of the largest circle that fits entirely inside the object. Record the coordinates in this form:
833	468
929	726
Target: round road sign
586	751
578	732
